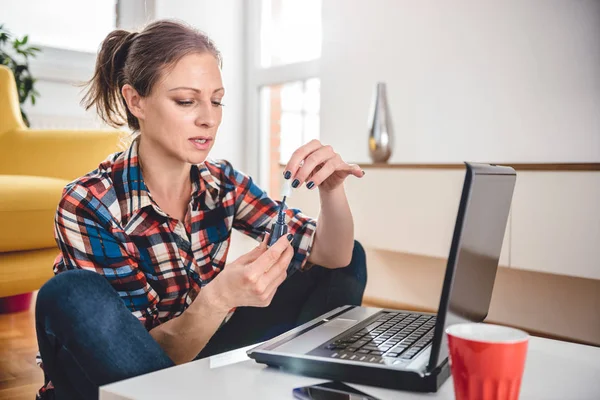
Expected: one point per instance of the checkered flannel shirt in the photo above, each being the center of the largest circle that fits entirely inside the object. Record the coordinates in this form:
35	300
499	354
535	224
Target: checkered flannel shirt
107	222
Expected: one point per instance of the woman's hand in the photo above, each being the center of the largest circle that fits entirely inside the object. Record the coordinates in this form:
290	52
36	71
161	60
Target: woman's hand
252	279
319	166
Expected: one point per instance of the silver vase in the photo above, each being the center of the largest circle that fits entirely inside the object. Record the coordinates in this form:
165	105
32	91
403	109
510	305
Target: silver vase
381	131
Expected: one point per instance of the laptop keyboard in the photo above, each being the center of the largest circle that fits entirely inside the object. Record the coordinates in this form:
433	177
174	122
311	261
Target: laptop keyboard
391	335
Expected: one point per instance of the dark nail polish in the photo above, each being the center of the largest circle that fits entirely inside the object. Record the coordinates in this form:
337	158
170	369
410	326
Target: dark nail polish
363	171
310	184
287	174
290	237
296	183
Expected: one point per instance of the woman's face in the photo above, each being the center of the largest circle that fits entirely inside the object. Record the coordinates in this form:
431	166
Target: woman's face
183	112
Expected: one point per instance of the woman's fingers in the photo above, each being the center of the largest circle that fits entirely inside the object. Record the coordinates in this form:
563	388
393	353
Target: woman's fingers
291	169
270	257
314	162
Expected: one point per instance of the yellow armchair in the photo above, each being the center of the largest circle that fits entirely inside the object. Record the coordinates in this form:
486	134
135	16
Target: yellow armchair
35	166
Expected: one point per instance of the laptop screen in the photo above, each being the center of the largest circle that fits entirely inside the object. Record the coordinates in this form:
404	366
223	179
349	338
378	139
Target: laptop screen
475	251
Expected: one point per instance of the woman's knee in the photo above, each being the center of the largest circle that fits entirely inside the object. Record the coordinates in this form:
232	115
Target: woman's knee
70	289
358	265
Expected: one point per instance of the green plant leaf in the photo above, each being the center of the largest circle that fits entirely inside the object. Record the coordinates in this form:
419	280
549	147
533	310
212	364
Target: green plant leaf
28	83
25	82
25	119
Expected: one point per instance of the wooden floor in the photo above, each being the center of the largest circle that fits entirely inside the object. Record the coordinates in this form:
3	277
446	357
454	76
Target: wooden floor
20	377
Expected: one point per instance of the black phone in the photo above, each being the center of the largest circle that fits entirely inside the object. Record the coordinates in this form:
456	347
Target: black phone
330	391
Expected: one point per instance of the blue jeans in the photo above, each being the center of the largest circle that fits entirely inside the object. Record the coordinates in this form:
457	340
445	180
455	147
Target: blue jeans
88	338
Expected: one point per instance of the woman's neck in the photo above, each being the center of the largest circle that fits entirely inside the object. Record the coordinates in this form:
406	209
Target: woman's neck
165	177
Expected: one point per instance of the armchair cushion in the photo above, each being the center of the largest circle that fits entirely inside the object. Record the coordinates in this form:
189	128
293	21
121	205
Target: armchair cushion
27	208
63	154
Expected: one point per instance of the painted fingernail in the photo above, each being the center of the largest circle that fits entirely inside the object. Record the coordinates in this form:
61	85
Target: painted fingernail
287	174
363	171
310	184
296	183
290	237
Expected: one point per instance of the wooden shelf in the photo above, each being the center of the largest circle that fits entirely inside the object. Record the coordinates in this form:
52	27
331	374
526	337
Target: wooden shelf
516	166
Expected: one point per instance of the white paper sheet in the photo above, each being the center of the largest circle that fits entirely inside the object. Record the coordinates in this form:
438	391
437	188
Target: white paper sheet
230	357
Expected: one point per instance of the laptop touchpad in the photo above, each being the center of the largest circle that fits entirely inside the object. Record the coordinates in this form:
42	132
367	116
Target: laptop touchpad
313	338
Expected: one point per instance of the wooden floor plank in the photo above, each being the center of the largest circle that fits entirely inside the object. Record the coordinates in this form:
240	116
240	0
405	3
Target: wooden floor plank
20	377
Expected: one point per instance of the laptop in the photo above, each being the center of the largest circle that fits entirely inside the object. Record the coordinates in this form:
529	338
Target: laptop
402	349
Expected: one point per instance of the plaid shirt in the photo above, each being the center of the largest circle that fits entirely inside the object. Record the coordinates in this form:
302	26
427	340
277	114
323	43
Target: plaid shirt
107	222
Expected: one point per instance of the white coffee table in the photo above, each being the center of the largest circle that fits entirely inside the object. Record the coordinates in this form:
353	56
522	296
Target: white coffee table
554	370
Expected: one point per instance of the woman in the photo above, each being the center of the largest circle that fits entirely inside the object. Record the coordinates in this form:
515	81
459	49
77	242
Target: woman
144	238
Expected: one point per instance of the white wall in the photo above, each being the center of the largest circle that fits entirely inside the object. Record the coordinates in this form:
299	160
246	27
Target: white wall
507	81
223	22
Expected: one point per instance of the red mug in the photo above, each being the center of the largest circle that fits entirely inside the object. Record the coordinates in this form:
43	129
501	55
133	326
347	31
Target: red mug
487	361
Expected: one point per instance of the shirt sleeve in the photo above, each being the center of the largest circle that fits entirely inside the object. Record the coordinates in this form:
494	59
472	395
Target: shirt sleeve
87	240
255	213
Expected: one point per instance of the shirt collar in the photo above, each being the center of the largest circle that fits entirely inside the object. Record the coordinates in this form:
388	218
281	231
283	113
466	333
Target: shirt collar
139	196
137	193
214	184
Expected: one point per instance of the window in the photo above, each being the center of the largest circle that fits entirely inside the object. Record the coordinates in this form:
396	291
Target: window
291	119
285	77
66	24
290	31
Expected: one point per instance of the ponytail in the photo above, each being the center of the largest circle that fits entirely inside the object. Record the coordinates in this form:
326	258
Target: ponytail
104	89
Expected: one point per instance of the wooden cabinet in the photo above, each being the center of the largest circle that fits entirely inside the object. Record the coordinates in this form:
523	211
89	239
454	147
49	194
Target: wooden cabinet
554	224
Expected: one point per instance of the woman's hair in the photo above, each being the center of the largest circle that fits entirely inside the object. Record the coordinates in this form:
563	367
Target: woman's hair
139	59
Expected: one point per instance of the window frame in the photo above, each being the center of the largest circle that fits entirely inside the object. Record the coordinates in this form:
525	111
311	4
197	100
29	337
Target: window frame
257	153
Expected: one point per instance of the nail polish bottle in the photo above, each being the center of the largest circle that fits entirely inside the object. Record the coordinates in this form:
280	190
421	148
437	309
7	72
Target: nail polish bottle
279	228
